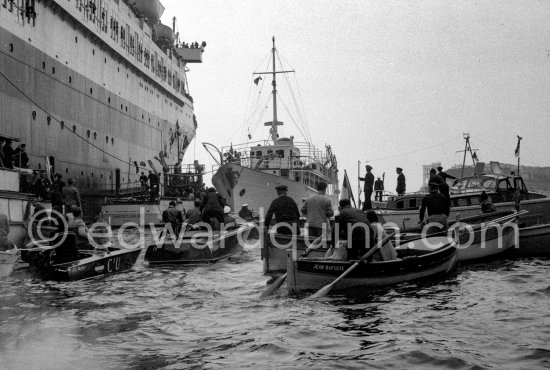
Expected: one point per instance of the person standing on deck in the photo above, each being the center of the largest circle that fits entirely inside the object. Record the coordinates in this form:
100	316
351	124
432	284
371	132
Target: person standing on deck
368	188
71	196
378	189
401	186
387	252
60	183
353	227
444	175
285	210
434	177
20	157
437	206
143	180
318	210
173	216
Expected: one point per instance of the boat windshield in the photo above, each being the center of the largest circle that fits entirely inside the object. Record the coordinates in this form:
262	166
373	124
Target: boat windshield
475	184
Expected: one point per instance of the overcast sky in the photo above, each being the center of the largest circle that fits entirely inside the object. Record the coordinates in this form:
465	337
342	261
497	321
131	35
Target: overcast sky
395	83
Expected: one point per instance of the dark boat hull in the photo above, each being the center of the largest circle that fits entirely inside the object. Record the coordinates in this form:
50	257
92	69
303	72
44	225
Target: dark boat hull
192	249
533	241
89	264
310	274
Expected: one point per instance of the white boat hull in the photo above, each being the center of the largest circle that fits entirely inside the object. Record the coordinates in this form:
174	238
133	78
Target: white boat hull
242	185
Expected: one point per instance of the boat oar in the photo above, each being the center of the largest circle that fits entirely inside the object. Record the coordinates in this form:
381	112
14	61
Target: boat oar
273	287
327	288
277	283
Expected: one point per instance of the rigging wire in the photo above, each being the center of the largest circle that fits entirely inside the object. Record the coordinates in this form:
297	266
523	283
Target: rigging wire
413	151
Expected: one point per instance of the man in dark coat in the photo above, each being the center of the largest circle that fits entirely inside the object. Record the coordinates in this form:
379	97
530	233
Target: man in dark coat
212	207
173	216
20	157
401	186
434	177
355	221
245	213
369	183
378	189
8	154
285	210
437	206
444	175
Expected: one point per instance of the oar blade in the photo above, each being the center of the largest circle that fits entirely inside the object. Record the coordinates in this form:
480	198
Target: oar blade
273	287
321	292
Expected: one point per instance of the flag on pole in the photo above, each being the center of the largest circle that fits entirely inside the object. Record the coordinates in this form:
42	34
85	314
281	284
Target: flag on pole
474	156
346	192
516	152
257	80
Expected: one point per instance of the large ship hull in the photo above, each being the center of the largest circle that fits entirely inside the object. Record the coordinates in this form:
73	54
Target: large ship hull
86	100
242	185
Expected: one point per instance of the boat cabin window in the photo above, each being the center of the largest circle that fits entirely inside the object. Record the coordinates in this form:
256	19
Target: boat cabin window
489	183
462	202
280	153
474	201
503	185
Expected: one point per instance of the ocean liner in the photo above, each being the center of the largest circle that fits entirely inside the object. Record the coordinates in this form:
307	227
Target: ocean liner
249	172
96	89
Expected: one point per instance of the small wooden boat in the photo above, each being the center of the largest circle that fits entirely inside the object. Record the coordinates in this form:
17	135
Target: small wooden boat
274	250
198	246
533	241
413	262
8	260
65	262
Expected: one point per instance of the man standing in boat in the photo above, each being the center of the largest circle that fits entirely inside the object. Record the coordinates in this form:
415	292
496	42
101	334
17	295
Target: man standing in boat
212	207
369	183
318	210
245	213
401	186
71	196
174	217
437	206
285	210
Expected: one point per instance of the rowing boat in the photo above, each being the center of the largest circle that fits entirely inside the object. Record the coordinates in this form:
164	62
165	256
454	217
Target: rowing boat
198	246
413	263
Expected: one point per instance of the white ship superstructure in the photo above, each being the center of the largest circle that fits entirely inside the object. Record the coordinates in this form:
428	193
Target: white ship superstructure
97	87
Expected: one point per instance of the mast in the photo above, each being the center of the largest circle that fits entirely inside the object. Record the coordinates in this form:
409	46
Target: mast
274	134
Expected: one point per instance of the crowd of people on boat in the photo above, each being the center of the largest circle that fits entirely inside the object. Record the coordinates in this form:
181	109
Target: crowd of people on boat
11	158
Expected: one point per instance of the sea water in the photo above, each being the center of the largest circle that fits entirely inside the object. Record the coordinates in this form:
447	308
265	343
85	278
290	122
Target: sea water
488	315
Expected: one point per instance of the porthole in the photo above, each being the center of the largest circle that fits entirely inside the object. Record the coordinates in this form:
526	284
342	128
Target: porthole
101	176
62	123
121	107
109	99
93	51
66	170
92	174
95	135
81	173
53	70
43	65
107	139
112	141
105	60
91	91
49	120
11	48
76	40
142	116
88	133
126	108
74	128
34	115
70	80
118	69
39	166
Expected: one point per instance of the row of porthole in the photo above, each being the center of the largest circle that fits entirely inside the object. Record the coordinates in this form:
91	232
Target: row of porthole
82	173
62	123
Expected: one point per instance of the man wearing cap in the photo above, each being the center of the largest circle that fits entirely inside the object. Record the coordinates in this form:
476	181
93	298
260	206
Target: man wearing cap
71	196
173	216
401	186
285	210
437	206
212	206
194	214
369	183
318	210
245	213
378	189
